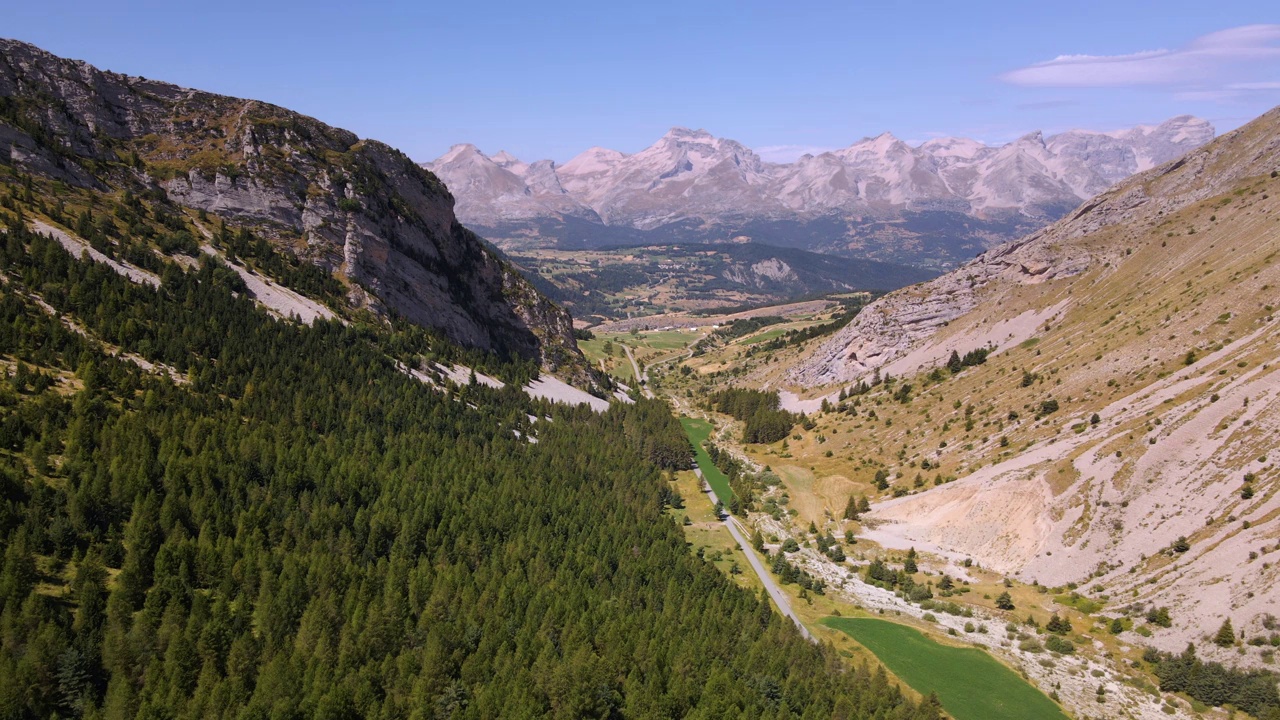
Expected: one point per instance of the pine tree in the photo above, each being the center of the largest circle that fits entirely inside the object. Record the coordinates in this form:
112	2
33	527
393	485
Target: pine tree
954	364
851	509
1005	601
909	565
1058	625
1226	635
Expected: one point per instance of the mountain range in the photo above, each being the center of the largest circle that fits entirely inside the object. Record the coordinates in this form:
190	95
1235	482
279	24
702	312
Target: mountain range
931	204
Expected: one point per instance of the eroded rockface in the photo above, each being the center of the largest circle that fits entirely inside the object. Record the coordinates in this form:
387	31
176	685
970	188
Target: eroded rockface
355	207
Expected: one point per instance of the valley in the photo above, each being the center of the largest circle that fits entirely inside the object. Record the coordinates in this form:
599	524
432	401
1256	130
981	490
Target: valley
293	425
1085	427
635	282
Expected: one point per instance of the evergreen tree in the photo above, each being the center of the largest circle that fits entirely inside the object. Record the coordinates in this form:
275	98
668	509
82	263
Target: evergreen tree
1226	635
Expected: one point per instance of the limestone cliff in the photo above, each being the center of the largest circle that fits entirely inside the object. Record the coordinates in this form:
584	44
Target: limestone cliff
356	207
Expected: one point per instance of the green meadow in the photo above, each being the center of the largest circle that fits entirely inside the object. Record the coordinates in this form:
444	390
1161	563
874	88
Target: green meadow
698	432
971	684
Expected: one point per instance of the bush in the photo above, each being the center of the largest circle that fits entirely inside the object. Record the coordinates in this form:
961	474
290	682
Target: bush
1059	645
1159	616
1031	645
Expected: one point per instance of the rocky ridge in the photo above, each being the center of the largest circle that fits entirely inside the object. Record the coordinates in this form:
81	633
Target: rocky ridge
357	208
901	322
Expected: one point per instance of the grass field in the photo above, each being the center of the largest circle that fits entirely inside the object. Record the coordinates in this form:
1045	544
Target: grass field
970	683
698	432
767	335
707	533
616	364
658	339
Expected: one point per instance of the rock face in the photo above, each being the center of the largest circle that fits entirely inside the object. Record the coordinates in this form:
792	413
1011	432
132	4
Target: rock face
691	185
356	207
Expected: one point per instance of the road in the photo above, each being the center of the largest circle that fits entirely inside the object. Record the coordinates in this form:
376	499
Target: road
779	598
642	379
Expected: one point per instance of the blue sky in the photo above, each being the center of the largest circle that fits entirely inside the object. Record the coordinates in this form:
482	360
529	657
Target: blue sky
550	79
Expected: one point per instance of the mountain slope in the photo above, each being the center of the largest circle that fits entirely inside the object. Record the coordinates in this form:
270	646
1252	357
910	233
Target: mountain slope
1131	397
865	199
355	208
293	526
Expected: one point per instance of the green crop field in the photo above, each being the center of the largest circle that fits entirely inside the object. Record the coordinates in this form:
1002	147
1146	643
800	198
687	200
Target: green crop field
971	684
698	432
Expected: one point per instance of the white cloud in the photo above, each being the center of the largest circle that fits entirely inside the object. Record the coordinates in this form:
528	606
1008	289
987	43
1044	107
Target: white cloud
788	153
1226	63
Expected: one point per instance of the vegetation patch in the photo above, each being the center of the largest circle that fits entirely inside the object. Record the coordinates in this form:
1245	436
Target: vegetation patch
698	432
970	683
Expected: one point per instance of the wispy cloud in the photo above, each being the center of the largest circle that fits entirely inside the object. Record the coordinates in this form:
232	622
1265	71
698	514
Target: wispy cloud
1228	63
788	153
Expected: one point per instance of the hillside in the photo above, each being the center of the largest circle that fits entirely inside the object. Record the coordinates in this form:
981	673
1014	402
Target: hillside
229	490
357	209
937	203
616	283
1131	398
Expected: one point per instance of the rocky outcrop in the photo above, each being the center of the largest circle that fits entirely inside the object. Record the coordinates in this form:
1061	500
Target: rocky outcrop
356	207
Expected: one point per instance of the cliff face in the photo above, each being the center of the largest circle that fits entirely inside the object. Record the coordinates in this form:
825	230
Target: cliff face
355	207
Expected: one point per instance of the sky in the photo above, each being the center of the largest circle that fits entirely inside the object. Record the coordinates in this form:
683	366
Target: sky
550	79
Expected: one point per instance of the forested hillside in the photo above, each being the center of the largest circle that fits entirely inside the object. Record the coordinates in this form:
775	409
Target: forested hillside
292	526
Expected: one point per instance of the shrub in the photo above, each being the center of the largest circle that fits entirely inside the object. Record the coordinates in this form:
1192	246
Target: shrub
1059	645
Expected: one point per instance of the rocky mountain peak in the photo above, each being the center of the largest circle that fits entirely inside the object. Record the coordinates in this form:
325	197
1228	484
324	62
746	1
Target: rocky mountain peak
695	176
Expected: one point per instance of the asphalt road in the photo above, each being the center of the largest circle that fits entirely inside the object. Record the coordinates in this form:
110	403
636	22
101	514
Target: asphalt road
779	598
